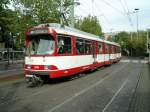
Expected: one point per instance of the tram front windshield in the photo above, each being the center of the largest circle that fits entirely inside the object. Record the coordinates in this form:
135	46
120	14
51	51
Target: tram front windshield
41	45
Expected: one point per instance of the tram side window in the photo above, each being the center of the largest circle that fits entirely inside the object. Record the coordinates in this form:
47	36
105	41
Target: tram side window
80	45
107	49
64	45
119	50
88	47
115	49
112	49
100	48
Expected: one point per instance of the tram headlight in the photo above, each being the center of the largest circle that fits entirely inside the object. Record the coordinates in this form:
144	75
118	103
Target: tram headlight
46	67
28	66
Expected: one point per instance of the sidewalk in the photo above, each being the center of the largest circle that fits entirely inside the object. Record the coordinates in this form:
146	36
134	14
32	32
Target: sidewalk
12	71
12	65
141	98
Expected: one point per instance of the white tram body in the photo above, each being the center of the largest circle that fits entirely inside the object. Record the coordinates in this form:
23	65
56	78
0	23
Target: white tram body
58	51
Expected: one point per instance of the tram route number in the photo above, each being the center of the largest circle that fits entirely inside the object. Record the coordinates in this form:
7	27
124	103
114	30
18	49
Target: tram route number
39	31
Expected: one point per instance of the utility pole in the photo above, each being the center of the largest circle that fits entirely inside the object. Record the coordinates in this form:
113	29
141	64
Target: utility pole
72	19
92	7
72	14
61	12
136	11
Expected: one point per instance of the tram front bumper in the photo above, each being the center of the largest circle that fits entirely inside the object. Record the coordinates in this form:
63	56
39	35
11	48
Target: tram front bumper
37	73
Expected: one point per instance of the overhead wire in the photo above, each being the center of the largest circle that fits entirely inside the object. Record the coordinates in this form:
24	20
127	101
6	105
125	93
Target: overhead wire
82	9
116	9
126	11
103	15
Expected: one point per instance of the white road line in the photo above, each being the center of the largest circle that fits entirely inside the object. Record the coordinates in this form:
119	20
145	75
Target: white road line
144	61
124	60
134	61
84	90
105	108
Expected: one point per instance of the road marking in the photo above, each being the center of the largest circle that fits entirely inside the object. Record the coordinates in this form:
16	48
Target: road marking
144	61
105	108
124	60
84	90
134	61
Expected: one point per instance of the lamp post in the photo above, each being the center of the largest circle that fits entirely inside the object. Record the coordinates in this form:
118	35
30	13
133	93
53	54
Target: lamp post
137	25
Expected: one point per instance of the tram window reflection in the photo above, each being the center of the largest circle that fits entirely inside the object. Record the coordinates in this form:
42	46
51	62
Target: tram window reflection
64	45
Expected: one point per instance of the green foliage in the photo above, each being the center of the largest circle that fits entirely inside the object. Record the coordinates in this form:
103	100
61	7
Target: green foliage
42	11
4	18
27	13
89	24
130	44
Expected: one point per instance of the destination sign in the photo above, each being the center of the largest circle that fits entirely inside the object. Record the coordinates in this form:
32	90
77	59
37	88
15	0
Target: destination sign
39	31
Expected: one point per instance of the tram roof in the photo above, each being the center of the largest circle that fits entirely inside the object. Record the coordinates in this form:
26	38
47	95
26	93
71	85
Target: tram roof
72	31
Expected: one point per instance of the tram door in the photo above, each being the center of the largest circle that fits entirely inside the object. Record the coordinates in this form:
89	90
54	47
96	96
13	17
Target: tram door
94	51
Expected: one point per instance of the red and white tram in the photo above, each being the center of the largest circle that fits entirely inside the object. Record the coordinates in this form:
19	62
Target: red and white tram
57	51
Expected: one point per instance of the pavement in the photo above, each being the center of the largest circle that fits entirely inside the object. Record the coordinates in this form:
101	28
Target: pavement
122	87
16	64
141	98
12	71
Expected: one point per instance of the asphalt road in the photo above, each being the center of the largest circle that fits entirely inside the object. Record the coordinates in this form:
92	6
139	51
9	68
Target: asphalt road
109	89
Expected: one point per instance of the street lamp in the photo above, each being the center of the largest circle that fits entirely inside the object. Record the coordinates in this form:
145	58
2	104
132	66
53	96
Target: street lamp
136	11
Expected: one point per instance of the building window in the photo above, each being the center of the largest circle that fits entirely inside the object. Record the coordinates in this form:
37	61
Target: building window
64	44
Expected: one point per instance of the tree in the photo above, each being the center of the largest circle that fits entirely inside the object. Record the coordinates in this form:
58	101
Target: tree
43	11
89	24
29	13
130	44
4	18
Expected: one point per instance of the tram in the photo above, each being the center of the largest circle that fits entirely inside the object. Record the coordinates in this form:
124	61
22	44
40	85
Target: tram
57	51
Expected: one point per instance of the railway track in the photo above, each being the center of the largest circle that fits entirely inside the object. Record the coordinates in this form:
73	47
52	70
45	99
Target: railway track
27	93
102	90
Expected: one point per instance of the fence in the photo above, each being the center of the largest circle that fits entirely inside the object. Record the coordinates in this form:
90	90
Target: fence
9	54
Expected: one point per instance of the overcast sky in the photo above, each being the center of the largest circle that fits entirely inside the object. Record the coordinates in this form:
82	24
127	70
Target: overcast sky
112	14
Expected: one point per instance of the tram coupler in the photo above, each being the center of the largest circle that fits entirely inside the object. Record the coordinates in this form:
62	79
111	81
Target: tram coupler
33	80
